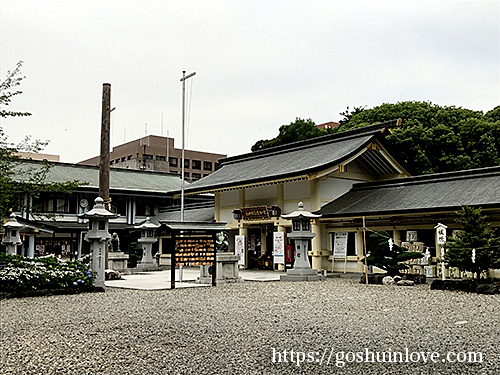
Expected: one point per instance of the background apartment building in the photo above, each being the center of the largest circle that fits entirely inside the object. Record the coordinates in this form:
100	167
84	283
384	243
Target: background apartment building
156	153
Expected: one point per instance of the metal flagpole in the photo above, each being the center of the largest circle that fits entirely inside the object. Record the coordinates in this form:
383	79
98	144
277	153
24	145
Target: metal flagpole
183	80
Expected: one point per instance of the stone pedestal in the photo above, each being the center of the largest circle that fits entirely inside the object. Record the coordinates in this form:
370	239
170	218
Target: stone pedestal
227	270
302	275
117	260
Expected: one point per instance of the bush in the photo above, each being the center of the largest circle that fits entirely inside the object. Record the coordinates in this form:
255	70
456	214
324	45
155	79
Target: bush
18	273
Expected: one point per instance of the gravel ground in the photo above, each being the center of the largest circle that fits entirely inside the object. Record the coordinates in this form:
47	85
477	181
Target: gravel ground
233	329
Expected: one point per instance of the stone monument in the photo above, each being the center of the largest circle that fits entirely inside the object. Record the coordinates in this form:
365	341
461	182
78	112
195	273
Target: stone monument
302	235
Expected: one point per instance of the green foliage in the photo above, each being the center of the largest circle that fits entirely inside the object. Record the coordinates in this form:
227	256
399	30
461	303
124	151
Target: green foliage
8	90
19	273
382	256
435	139
348	114
474	234
431	139
297	130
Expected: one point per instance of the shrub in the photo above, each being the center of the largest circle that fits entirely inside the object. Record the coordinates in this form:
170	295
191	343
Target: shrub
18	273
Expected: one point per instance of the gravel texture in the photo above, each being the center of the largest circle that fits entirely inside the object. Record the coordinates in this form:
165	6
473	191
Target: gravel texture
233	328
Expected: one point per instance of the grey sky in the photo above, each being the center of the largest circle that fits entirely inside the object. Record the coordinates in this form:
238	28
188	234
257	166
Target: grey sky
258	64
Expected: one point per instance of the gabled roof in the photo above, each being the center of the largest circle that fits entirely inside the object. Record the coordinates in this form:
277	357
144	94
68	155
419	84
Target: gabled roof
428	193
293	161
119	179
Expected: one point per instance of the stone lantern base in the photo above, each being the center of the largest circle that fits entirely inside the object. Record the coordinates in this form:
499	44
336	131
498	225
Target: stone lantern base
227	270
302	274
117	260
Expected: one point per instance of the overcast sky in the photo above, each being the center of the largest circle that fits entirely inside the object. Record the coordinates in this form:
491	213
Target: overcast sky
258	64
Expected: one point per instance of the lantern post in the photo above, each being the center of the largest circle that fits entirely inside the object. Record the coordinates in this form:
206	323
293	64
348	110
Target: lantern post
98	235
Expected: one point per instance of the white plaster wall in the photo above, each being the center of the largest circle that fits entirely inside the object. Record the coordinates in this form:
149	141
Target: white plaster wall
332	188
229	198
297	190
226	215
261	193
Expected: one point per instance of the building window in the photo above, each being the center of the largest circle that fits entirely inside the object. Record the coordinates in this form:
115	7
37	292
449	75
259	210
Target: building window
217	165
160	158
117	161
186	163
172	162
196	164
196	176
186	175
147	157
129	157
207	165
123	159
111	162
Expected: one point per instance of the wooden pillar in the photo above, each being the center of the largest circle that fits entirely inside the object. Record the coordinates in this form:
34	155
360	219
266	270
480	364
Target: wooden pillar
217	207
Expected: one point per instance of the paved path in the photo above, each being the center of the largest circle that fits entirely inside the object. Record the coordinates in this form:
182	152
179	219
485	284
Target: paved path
161	279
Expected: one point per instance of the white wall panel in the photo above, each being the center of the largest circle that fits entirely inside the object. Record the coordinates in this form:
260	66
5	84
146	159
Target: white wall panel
229	198
297	190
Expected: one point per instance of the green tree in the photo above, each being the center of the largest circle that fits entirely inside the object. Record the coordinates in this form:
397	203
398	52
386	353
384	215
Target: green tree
297	130
8	89
348	114
16	179
476	236
434	138
389	257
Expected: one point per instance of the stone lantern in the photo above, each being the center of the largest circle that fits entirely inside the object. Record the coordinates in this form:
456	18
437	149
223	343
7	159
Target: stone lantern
98	235
148	230
12	237
302	235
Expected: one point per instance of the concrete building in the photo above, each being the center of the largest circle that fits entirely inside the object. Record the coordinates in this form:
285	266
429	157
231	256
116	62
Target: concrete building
155	153
36	156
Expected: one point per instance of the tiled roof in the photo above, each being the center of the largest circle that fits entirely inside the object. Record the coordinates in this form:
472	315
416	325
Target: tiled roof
291	160
427	193
119	179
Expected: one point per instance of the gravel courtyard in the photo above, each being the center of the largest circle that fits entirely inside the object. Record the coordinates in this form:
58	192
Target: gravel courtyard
241	328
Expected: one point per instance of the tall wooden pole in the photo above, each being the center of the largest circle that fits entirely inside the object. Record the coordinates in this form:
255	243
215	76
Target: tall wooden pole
105	131
104	159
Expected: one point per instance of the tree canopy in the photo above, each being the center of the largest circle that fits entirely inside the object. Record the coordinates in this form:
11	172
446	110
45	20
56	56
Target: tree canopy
297	130
431	139
434	138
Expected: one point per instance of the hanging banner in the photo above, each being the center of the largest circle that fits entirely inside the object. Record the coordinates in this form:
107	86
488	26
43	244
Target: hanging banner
340	245
239	249
279	247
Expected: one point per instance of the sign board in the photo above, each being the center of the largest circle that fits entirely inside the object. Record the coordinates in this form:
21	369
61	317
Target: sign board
194	251
239	249
279	247
411	236
255	213
440	234
340	245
